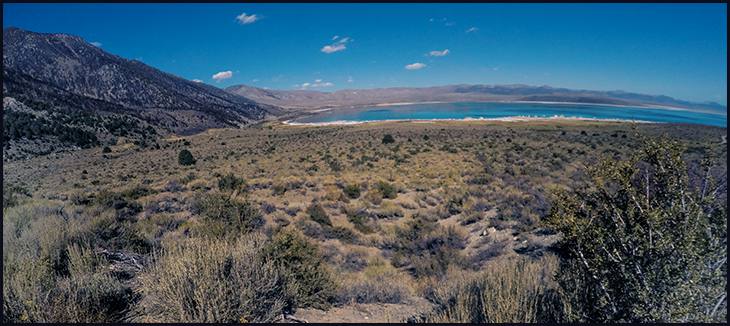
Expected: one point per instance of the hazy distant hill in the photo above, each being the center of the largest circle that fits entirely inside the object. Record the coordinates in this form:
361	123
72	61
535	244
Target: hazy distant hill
315	99
64	72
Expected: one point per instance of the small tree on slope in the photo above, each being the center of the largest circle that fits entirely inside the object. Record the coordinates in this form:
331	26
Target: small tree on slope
641	244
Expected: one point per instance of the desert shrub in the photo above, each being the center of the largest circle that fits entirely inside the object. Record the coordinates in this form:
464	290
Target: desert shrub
212	280
50	274
378	283
225	215
308	282
388	139
426	248
341	233
386	190
388	210
641	244
185	157
360	218
354	261
507	291
230	182
352	191
12	195
106	149
318	214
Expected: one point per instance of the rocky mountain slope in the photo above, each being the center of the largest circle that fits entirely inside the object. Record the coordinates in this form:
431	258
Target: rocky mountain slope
353	97
66	75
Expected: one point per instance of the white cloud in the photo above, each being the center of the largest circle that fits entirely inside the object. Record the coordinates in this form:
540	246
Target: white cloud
318	83
223	75
415	66
472	29
437	53
255	80
96	44
349	79
333	48
340	45
247	19
197	80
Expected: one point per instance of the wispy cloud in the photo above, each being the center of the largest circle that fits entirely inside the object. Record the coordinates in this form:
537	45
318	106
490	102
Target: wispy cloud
223	75
472	29
245	19
436	53
318	83
197	80
349	79
96	44
415	66
339	45
444	20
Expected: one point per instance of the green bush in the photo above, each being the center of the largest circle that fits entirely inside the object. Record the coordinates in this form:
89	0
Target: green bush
212	280
185	157
640	244
318	214
308	282
106	150
360	219
388	139
225	215
230	182
386	190
352	191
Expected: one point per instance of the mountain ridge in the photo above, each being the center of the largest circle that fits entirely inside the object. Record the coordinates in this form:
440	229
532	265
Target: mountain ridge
63	63
311	99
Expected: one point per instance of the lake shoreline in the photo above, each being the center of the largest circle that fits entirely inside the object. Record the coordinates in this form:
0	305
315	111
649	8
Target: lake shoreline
504	119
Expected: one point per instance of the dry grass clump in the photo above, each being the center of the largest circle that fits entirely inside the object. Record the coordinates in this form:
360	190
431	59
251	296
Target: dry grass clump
204	280
377	283
506	291
50	274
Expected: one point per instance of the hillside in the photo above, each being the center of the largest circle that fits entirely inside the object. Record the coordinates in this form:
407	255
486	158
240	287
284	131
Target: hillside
76	82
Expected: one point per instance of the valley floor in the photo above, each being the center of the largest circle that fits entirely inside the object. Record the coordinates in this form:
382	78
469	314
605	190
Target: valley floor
479	189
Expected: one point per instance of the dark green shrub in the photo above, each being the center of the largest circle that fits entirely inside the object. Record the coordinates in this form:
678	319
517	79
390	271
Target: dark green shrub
360	219
388	139
230	182
185	157
318	214
352	191
308	282
387	190
106	149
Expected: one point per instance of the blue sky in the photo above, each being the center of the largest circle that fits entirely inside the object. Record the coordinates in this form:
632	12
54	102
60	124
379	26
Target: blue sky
678	50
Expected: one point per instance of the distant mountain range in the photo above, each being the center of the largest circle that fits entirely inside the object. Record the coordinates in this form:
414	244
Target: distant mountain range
308	99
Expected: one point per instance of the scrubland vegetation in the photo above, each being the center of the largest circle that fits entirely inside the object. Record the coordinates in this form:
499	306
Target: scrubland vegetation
460	221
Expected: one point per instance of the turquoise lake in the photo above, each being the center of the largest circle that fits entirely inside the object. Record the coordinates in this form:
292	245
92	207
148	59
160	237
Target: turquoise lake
482	110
